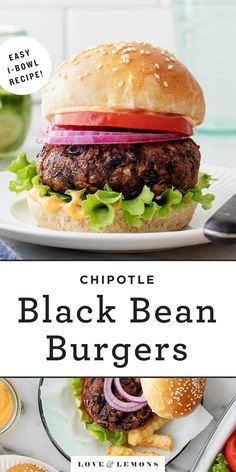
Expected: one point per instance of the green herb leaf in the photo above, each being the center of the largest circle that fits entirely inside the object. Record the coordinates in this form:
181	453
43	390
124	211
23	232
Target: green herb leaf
100	214
150	211
204	181
146	195
43	189
135	210
205	200
169	199
132	220
109	197
72	193
18	163
25	171
134	207
63	197
220	465
195	194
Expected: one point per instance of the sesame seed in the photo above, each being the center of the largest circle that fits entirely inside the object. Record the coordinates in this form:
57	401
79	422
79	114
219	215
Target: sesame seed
172	58
115	69
157	76
125	58
170	66
142	51
163	52
121	83
147	52
82	76
129	49
114	51
99	66
157	66
167	59
165	84
86	54
75	60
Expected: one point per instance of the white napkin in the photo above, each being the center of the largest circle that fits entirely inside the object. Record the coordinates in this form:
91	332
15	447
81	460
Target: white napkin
56	396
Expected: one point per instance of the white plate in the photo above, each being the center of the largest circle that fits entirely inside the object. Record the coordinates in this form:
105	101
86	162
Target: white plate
7	461
64	428
16	222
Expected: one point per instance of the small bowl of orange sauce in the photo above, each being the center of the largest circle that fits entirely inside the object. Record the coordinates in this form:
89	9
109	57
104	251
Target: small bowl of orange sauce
10	406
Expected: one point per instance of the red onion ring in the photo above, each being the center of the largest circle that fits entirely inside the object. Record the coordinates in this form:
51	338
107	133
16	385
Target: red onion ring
127	407
55	135
126	396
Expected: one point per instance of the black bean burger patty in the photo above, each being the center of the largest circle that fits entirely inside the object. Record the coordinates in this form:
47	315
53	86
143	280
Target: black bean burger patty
106	416
125	167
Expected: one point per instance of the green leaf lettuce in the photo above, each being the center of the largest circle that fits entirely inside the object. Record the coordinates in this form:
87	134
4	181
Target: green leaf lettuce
100	206
25	171
220	464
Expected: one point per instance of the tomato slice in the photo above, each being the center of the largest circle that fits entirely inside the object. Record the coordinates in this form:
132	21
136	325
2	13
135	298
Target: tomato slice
123	120
230	451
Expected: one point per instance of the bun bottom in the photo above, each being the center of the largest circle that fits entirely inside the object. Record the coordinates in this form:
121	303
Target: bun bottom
61	221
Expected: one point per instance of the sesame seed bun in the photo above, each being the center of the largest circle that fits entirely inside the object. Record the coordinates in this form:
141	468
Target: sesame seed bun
126	77
172	398
26	468
60	220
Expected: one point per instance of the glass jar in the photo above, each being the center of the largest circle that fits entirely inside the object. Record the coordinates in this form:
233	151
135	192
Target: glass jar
206	44
15	110
10	406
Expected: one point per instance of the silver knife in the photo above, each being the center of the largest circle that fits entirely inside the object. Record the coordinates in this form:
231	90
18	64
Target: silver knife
221	227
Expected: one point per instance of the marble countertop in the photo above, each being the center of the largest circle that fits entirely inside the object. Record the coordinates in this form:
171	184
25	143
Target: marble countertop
30	439
216	150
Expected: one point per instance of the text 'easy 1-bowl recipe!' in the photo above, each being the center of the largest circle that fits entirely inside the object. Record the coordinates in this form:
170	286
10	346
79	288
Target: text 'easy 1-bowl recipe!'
117	153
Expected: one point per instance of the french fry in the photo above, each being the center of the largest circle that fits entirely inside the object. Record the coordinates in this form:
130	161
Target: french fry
160	441
136	436
119	451
127	451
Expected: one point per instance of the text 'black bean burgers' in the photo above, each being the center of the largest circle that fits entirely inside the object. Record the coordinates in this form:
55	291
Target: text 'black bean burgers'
117	153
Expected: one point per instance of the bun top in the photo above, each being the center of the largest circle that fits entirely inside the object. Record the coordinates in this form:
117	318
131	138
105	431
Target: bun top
172	398
127	77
